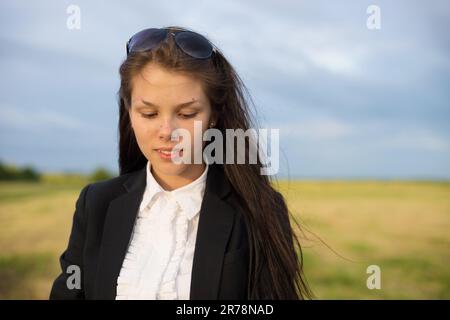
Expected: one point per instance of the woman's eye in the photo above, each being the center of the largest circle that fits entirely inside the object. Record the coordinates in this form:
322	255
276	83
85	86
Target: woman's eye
187	116
149	115
182	115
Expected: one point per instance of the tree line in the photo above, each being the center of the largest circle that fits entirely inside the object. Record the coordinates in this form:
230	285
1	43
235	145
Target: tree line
9	172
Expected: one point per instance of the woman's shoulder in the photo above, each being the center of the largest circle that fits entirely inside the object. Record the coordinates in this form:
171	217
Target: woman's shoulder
103	191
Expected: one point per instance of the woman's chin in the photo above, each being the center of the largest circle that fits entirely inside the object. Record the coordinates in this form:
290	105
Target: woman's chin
168	167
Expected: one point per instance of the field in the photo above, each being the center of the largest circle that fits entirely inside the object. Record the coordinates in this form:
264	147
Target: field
400	226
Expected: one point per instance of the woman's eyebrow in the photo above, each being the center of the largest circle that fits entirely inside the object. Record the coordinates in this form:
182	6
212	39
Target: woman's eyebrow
181	105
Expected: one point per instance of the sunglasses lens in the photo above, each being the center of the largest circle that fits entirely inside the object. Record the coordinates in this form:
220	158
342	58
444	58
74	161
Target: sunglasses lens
194	44
146	39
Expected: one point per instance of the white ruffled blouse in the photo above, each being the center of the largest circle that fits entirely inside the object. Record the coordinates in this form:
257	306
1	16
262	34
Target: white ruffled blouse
158	263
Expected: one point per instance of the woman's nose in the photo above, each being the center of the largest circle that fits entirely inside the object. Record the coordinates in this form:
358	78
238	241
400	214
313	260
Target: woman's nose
166	128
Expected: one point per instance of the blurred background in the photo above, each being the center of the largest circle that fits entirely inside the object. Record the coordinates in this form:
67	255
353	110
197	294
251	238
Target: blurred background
359	91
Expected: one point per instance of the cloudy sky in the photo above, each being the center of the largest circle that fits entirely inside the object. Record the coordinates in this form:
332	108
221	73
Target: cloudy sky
350	102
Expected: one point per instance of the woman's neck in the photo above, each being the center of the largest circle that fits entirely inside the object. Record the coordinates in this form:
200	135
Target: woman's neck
172	182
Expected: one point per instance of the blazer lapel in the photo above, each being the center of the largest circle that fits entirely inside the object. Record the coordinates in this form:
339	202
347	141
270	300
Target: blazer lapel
214	228
118	226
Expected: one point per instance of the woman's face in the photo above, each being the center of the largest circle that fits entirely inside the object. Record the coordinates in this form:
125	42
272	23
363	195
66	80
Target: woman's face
162	101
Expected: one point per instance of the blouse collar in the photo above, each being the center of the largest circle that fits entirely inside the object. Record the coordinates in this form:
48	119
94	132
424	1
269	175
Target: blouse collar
188	197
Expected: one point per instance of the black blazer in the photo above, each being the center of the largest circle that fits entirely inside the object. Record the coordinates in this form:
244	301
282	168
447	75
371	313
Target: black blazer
103	223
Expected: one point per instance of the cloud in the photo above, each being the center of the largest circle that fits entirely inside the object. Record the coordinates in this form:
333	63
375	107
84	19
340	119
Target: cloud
417	140
37	119
316	129
349	97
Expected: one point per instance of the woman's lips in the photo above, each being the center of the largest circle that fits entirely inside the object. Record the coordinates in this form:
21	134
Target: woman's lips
169	153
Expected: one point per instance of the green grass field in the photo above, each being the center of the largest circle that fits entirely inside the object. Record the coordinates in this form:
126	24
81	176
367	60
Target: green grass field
403	227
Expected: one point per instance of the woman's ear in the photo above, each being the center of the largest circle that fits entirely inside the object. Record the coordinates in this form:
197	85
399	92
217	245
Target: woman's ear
212	121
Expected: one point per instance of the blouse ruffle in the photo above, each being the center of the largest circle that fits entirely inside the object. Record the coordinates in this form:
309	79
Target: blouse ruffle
168	289
161	266
158	243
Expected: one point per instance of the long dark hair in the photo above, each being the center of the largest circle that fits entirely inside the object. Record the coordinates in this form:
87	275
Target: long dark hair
276	261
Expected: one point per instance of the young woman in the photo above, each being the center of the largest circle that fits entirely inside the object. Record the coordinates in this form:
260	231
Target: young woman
166	230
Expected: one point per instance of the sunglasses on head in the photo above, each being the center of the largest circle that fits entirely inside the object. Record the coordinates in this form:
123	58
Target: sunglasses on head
192	43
